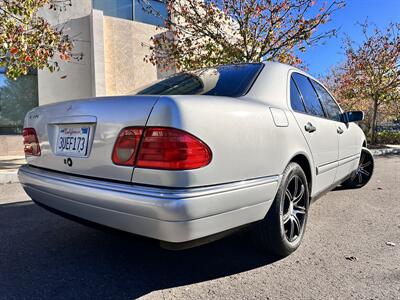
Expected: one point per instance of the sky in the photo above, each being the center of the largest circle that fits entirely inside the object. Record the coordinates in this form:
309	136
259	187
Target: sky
321	58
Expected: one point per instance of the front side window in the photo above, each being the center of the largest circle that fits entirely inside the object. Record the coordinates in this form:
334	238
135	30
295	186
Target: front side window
332	109
295	98
229	81
310	97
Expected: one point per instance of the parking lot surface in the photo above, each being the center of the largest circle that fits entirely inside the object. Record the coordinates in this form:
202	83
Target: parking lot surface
351	250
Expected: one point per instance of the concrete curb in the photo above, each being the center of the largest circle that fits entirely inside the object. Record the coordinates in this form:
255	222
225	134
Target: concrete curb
385	151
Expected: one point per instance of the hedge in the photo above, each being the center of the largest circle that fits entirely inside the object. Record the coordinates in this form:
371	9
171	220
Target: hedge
388	137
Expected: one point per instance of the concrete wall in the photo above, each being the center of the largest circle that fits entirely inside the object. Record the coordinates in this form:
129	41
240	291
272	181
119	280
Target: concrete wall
78	9
125	69
78	83
97	54
113	55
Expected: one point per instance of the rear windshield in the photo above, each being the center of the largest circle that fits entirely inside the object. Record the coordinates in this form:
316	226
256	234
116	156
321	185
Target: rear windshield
228	80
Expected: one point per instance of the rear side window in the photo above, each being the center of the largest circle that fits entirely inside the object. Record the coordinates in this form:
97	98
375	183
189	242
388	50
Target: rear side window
228	80
295	98
310	97
330	106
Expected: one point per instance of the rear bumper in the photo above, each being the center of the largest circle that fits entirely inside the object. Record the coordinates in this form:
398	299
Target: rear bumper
172	215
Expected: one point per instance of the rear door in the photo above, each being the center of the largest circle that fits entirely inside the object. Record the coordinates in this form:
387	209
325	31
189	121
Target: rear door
320	132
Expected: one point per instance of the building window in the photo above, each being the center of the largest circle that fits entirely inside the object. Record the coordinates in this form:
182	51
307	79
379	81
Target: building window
17	97
115	8
152	12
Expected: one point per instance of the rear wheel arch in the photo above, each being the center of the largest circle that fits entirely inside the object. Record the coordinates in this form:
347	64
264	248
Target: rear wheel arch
304	163
282	229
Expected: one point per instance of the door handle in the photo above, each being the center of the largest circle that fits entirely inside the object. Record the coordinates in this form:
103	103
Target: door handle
340	130
309	127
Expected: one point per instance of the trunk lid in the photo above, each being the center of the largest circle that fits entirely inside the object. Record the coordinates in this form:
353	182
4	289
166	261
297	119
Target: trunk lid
100	120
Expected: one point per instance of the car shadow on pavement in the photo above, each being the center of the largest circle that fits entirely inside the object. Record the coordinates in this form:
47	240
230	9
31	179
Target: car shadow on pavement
44	256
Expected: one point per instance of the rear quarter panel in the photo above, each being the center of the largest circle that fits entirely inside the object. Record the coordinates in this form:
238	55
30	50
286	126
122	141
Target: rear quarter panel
240	132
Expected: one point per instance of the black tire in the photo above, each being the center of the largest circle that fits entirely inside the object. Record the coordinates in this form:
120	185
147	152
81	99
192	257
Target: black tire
363	173
279	233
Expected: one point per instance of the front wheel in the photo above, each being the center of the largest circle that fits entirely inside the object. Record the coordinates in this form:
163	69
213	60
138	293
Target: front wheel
282	230
364	171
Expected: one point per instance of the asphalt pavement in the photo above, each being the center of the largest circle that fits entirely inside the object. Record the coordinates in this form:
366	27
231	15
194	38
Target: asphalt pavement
351	250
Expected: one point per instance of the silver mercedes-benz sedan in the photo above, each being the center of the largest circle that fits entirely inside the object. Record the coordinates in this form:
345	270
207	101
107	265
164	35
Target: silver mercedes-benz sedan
198	154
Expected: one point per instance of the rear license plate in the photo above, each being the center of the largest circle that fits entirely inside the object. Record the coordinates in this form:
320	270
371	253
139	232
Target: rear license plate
73	141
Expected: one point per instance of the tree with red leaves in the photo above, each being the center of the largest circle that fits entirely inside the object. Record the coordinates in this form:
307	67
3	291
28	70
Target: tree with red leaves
369	78
211	32
28	41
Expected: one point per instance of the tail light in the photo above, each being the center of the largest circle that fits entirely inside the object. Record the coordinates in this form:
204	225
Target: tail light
164	148
172	149
31	142
126	146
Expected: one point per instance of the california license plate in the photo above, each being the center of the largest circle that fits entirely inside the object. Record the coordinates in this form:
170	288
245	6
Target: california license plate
73	141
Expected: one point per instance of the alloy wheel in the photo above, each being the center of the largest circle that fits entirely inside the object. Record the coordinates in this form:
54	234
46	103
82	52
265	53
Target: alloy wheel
364	170
294	209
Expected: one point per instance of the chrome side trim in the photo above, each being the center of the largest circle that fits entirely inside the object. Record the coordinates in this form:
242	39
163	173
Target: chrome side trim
327	167
154	192
348	159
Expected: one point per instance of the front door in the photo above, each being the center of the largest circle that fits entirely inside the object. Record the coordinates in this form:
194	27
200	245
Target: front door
349	150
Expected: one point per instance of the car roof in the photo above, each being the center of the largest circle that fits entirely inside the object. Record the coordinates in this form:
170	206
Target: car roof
271	87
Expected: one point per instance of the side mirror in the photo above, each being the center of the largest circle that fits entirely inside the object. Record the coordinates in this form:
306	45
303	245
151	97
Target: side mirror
353	116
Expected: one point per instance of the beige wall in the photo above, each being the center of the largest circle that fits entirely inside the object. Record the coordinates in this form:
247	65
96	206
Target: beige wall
11	145
125	69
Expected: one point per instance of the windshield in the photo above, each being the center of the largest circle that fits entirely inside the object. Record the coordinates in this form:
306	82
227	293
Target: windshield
228	80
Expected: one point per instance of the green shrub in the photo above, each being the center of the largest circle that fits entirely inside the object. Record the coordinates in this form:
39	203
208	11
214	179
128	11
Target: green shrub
388	137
